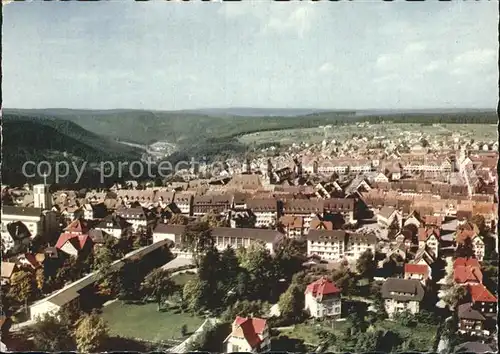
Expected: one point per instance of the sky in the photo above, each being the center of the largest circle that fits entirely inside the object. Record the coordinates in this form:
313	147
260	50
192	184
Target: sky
262	54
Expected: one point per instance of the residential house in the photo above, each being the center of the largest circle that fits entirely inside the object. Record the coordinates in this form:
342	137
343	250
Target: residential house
389	216
430	238
265	210
483	300
306	208
292	226
31	217
402	295
323	299
74	244
471	321
135	216
184	202
78	227
15	237
244	237
467	271
357	244
163	198
340	206
326	244
319	224
380	177
420	272
114	225
477	241
30	260
249	335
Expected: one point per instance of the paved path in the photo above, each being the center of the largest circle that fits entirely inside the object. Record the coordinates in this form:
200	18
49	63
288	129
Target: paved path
177	263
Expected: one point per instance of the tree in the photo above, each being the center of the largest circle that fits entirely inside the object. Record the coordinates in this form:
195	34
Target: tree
257	260
40	279
192	294
158	285
184	330
366	264
291	302
178	219
465	249
290	255
230	268
197	238
22	287
102	259
52	335
344	279
454	296
90	333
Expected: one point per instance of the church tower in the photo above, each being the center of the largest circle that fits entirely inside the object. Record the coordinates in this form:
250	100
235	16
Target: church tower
41	196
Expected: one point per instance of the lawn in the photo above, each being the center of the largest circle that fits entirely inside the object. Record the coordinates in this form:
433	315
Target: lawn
308	331
422	334
145	322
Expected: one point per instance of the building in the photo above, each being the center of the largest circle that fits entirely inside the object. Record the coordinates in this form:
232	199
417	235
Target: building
357	244
41	196
8	269
169	232
429	238
293	226
74	244
402	295
326	244
308	209
265	210
244	237
216	204
323	299
113	225
184	202
340	206
31	217
389	216
249	335
471	321
483	300
467	271
135	216
420	272
477	242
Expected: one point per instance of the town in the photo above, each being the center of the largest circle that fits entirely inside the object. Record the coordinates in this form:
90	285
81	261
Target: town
344	243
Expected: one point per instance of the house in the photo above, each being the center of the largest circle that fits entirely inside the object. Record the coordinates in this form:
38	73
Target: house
483	300
135	216
323	299
31	217
293	226
242	218
98	237
74	244
413	219
421	272
30	260
170	232
318	224
471	321
113	225
244	237
306	208
15	236
216	203
184	202
326	244
402	294
265	210
356	244
477	242
388	216
430	238
380	177
467	271
249	335
424	256
77	227
340	206
88	212
8	269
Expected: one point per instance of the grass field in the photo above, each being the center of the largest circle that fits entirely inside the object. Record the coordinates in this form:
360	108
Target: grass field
308	331
145	322
478	132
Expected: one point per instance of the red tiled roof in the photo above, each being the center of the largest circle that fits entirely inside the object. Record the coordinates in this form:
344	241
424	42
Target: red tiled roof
464	262
77	226
249	328
425	233
466	274
78	241
322	287
479	293
416	269
463	234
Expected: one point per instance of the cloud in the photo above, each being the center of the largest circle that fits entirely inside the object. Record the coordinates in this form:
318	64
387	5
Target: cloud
299	21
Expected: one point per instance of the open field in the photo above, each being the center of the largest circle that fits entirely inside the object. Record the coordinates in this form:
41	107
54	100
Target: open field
308	331
340	132
145	322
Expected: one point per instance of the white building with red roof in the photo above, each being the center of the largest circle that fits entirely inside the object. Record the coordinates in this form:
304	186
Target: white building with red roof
73	243
248	335
483	300
420	272
323	299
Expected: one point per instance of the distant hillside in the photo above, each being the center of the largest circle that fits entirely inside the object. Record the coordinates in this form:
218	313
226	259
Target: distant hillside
43	139
264	112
